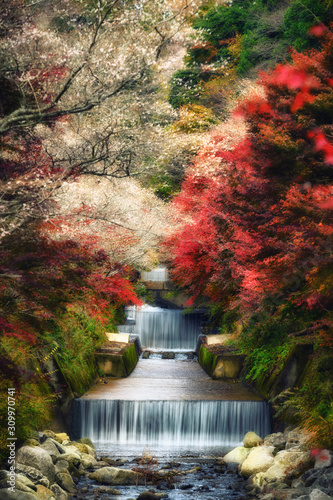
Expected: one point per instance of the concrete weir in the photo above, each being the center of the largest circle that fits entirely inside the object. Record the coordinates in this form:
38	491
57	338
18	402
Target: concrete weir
169	403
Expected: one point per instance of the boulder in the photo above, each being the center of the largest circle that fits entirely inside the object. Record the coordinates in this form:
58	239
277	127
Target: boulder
278	440
51	449
65	481
323	459
295	439
61	464
109	491
61	448
251	439
44	493
60	437
259	459
237	455
114	476
319	495
150	495
70	457
20	480
88	461
284	466
87	441
33	474
58	492
38	458
5	494
85	448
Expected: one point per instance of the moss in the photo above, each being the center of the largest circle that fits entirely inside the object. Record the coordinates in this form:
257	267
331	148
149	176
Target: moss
130	358
207	360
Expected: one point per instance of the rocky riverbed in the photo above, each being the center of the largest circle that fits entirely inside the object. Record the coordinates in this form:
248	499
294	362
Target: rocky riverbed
278	467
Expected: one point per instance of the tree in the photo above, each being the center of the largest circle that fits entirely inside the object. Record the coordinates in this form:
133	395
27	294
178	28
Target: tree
258	220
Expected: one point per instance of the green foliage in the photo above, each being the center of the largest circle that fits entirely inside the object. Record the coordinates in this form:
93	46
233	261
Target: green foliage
184	88
143	293
223	22
268	29
299	18
79	335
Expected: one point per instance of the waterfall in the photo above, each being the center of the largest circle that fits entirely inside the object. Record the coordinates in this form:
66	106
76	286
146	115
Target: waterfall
160	328
170	423
157	274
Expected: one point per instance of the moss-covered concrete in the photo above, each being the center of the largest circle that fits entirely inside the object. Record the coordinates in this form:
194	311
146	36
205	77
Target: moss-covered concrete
290	375
220	366
117	363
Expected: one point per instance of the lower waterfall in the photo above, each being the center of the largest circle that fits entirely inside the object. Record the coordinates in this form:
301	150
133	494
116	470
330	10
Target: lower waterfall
170	423
160	328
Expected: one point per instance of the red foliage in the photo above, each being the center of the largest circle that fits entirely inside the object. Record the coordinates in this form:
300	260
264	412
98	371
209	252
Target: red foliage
263	227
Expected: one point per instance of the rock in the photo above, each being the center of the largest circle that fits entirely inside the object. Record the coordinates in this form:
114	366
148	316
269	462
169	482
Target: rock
109	491
60	437
295	439
49	434
65	481
87	441
61	464
17	495
21	479
149	495
44	493
251	439
114	476
324	481
38	458
259	459
278	440
61	448
85	448
237	455
51	449
323	459
58	492
319	495
70	457
88	461
31	442
33	474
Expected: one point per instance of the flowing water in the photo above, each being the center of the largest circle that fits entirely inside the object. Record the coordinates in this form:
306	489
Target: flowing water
168	406
172	409
160	328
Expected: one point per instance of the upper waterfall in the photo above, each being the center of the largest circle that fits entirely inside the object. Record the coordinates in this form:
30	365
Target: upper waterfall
160	328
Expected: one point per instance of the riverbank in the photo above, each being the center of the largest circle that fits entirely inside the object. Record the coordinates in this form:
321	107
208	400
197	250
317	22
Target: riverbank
279	467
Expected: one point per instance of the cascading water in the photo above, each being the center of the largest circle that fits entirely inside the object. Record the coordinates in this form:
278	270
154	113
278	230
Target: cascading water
171	423
160	328
167	405
157	274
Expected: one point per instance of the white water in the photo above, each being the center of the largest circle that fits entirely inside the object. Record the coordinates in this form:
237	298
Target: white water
170	423
157	274
160	328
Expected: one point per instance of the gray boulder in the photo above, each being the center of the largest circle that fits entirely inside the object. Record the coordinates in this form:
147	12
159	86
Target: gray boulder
51	449
65	481
58	492
114	476
38	458
17	495
33	474
278	440
317	494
